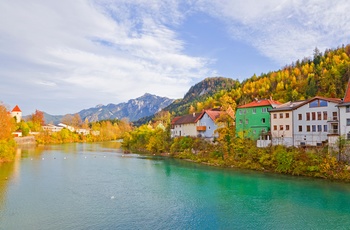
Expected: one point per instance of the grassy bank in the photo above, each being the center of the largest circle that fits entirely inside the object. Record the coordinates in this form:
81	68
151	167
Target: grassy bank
243	154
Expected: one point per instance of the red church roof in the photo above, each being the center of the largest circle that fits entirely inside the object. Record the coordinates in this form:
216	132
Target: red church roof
16	109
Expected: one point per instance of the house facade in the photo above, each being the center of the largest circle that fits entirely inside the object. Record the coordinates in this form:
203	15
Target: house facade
282	118
196	125
315	120
253	119
344	116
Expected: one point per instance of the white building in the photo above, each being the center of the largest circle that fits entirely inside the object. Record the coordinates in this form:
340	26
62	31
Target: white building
196	125
52	128
315	120
17	113
344	115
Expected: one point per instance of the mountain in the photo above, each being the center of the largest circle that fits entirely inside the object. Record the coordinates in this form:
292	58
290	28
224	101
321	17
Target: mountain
197	93
134	109
200	91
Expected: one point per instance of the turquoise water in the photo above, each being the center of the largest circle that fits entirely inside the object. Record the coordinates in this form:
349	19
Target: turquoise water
95	186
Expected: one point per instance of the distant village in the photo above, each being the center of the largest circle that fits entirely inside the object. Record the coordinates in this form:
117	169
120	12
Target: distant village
16	113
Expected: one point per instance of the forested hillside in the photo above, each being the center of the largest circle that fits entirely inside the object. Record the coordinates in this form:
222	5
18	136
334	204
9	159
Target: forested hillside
326	74
200	92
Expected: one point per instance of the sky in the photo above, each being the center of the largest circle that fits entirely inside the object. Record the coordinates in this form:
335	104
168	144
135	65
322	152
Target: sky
64	56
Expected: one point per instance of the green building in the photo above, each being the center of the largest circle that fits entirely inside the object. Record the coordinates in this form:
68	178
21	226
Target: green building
253	119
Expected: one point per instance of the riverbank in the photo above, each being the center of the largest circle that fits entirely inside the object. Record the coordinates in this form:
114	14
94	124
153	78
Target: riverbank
243	154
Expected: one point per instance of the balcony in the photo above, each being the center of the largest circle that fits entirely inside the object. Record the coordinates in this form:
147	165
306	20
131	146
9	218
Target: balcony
333	132
201	128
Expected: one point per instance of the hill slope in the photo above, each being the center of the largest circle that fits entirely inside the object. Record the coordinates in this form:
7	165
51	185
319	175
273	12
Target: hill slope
200	91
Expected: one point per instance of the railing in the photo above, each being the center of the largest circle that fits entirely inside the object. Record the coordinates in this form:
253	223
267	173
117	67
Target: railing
333	131
333	118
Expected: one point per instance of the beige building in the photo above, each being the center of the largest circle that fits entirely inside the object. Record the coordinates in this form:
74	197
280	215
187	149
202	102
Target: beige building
282	123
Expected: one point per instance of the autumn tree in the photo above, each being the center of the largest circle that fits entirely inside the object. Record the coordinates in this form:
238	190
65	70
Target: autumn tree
6	124
38	117
67	119
7	144
76	120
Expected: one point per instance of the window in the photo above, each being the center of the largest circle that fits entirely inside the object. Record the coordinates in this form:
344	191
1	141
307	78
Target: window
263	120
319	116
240	121
348	136
300	128
308	128
325	116
325	128
281	127
275	116
244	111
313	116
347	122
281	115
254	110
313	128
323	103
287	127
264	110
240	112
335	116
300	116
313	104
246	121
287	115
275	127
318	103
347	109
319	128
254	131
308	116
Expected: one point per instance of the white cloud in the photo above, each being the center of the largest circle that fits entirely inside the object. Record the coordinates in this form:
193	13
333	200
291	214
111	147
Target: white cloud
285	30
114	49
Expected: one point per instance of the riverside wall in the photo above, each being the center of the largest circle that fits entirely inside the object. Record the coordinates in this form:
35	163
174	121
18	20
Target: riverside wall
25	140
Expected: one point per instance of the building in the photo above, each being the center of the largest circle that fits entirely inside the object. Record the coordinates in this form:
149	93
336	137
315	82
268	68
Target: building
315	120
344	115
52	128
253	119
196	125
17	114
281	119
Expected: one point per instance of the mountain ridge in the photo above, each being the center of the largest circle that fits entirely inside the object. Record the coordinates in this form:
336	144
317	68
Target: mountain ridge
134	109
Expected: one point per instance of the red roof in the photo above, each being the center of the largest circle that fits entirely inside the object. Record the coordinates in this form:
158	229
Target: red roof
190	118
258	103
347	93
213	114
193	118
16	109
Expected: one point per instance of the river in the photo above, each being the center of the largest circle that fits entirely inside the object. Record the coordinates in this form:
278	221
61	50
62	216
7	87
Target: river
96	186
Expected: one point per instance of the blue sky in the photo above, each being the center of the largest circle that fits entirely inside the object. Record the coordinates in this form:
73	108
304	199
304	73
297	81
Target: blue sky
65	56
